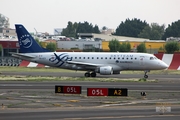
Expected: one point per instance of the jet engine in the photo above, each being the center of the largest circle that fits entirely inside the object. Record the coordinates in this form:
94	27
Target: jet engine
107	70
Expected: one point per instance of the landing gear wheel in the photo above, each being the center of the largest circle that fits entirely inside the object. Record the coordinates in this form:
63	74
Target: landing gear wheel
145	76
93	74
87	74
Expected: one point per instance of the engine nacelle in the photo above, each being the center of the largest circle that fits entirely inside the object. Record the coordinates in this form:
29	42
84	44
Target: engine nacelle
107	70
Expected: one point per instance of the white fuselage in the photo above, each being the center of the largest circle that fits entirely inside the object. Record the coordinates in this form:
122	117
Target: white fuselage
92	60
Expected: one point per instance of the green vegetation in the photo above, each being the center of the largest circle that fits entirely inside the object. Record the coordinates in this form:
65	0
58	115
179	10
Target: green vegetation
51	69
32	69
143	79
152	32
115	46
60	78
125	47
171	47
141	48
50	78
73	29
130	28
172	30
51	46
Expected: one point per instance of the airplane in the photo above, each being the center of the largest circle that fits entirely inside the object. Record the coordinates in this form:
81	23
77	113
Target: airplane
104	63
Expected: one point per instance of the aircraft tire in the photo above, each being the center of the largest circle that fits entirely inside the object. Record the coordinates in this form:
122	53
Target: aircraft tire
87	74
93	74
145	76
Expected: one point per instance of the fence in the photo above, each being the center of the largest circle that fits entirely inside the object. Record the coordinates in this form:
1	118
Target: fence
9	61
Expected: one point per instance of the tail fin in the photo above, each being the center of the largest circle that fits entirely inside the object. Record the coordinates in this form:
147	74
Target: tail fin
26	41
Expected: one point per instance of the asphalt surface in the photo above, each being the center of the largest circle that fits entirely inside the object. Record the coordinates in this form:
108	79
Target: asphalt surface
36	100
81	74
124	113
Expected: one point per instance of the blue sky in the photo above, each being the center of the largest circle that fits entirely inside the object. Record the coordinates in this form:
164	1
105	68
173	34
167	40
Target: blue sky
45	15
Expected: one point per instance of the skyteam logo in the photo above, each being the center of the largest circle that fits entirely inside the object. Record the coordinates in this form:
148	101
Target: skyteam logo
59	60
26	41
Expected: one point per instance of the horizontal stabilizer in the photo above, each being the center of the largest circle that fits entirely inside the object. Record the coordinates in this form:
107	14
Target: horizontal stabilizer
21	55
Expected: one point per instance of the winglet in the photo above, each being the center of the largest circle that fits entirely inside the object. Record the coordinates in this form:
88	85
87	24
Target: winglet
27	42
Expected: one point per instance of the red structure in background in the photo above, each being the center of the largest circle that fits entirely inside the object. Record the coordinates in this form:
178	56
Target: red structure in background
24	63
175	63
9	44
159	55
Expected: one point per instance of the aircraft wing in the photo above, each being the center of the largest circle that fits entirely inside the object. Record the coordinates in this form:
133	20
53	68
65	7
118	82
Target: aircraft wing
85	64
19	55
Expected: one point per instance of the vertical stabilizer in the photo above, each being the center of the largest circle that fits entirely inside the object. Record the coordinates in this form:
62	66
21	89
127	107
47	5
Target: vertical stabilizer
26	41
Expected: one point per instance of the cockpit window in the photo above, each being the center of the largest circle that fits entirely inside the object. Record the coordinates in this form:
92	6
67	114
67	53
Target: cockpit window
151	58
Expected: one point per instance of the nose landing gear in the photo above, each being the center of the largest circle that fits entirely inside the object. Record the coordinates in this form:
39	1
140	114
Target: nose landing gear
145	73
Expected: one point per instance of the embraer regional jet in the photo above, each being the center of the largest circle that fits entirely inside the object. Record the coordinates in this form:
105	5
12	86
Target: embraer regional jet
92	62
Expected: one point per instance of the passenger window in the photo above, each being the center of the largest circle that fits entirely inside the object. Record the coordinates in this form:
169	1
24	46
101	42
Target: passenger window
92	57
97	58
84	58
105	57
101	57
88	57
79	57
75	57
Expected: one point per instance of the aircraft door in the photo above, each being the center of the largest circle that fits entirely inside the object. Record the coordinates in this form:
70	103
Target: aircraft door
141	60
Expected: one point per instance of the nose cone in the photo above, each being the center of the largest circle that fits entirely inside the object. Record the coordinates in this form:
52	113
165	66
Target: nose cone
163	65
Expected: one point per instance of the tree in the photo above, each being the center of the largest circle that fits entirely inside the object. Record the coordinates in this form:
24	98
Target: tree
51	46
96	29
87	28
104	28
172	30
72	29
152	32
130	28
40	43
171	47
141	48
125	47
114	45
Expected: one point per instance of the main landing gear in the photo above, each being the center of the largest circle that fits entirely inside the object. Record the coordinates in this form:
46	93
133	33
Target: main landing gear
90	74
145	73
